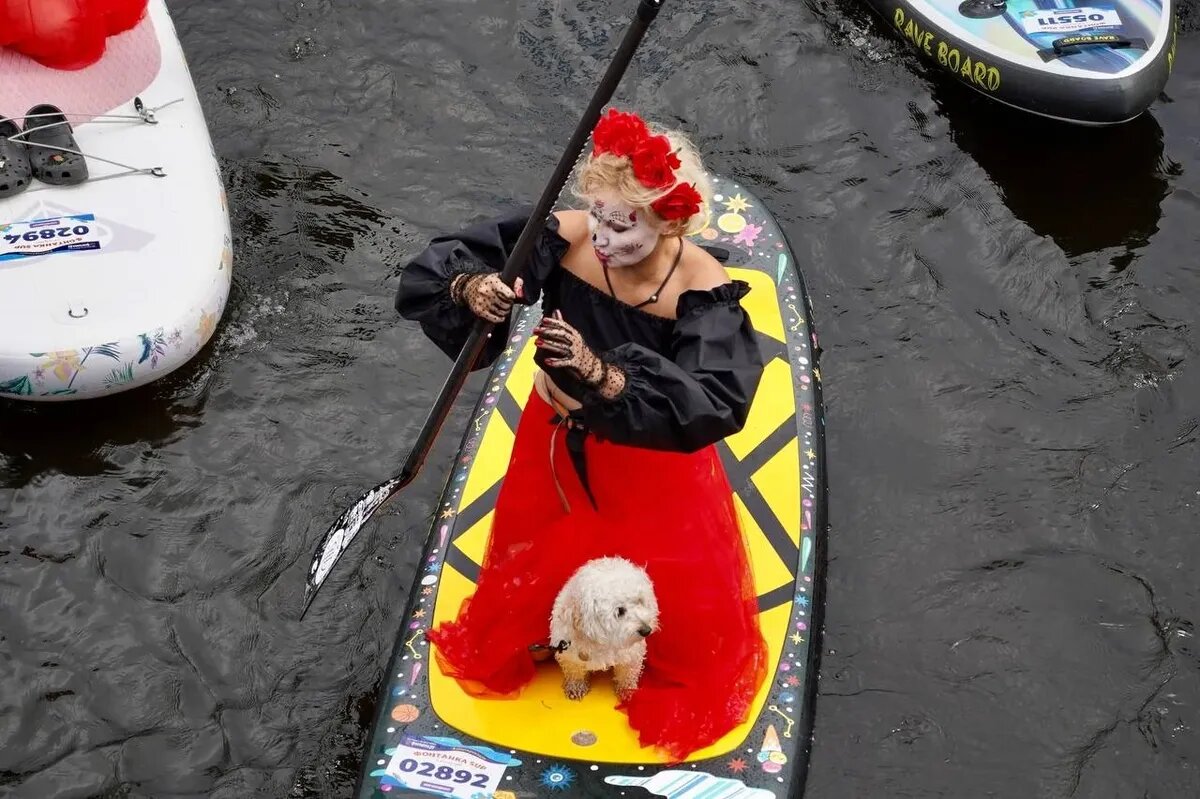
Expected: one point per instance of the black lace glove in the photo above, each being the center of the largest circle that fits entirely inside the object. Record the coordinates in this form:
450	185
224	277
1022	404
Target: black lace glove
486	295
559	339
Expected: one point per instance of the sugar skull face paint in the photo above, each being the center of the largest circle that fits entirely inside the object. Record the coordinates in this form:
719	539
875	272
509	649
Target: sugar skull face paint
620	235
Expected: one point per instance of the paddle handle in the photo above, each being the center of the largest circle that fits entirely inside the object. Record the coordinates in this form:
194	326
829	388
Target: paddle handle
647	10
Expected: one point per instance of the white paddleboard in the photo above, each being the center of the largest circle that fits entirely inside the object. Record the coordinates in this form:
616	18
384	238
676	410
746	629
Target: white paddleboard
115	282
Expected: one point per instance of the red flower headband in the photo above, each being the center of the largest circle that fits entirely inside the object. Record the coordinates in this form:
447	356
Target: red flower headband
625	135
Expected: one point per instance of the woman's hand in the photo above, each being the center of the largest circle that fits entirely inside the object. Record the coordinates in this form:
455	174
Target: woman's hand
557	338
486	295
563	342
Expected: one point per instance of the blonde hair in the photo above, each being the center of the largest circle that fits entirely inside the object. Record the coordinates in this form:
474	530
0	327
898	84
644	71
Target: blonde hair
615	173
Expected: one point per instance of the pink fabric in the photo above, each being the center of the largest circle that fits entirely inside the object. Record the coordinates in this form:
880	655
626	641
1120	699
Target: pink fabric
129	65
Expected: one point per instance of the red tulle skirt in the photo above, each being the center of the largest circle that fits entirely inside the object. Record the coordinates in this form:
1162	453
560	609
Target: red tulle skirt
670	513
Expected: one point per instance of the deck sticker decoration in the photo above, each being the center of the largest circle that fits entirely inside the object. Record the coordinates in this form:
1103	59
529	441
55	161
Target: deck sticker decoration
692	785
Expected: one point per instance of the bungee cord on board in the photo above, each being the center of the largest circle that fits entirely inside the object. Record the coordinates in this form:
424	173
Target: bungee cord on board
144	114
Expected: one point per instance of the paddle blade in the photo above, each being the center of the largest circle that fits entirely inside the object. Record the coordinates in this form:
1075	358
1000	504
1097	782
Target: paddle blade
337	539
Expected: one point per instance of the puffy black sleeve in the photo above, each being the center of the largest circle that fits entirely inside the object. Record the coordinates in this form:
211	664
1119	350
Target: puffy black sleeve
424	294
697	394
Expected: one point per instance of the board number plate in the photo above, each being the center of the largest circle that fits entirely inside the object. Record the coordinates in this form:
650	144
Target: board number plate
46	236
448	771
1069	20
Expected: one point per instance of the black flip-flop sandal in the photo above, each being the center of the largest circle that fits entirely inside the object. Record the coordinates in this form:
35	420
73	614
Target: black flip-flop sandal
16	173
49	138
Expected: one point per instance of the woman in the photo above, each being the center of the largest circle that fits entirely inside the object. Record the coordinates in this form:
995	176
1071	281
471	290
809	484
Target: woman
646	360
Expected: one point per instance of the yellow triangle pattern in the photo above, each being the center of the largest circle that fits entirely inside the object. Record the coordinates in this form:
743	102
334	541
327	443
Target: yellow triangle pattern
783	469
473	543
491	462
769	571
762	302
773	404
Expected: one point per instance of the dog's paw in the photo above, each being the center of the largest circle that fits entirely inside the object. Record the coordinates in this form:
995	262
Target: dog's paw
576	689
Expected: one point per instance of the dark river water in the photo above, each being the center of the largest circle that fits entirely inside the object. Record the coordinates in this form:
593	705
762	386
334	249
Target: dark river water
1012	379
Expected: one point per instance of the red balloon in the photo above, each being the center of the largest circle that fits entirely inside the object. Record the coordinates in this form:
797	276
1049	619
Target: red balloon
65	34
16	21
119	15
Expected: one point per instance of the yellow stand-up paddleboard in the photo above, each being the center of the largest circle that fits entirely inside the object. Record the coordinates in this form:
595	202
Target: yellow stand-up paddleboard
432	739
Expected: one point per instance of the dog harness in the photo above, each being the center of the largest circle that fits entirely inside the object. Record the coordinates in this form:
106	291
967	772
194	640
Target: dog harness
561	646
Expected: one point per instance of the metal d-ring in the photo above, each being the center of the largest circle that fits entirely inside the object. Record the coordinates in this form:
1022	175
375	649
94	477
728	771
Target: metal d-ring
147	114
71	313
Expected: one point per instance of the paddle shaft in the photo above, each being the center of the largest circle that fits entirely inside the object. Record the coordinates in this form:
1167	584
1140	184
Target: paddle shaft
482	330
346	528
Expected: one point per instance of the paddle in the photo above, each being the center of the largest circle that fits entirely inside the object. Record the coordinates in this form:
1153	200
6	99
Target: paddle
343	531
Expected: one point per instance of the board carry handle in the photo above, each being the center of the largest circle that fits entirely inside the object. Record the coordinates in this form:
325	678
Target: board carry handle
1069	45
1072	42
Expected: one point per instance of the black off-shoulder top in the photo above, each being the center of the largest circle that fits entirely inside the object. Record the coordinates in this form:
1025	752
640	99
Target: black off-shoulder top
689	380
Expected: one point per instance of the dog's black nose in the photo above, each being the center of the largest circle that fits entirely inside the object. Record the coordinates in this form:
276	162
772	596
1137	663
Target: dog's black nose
644	631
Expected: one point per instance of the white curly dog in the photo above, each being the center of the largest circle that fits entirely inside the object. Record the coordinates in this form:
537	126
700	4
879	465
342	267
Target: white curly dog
600	621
